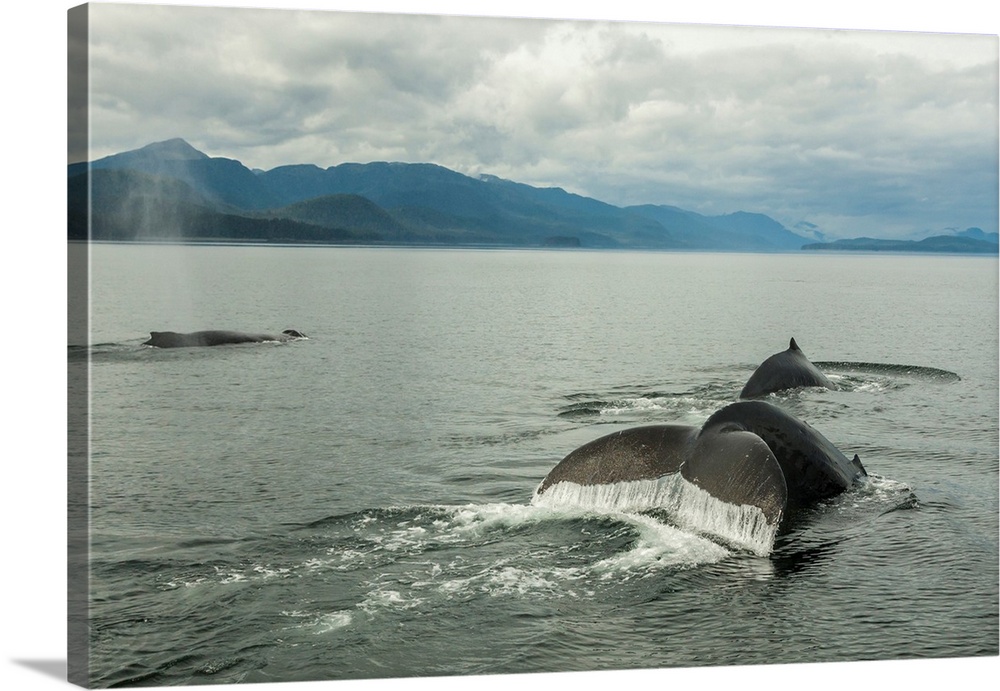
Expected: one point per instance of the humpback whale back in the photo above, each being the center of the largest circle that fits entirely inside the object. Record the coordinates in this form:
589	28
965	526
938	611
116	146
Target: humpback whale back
789	369
172	339
812	466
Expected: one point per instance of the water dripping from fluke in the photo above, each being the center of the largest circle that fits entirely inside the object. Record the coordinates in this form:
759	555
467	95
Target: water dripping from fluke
690	507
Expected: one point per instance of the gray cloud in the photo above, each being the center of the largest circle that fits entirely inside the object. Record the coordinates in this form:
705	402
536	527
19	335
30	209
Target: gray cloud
860	132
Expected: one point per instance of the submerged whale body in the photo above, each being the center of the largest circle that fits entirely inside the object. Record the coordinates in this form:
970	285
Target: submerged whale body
172	339
750	455
786	370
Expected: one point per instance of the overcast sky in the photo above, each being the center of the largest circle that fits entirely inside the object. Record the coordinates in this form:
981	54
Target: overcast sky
859	132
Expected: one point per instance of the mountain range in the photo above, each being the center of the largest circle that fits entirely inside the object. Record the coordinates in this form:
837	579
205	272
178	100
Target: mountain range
171	191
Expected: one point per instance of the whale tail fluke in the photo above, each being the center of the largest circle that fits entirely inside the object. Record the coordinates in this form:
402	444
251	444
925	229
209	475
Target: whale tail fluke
736	466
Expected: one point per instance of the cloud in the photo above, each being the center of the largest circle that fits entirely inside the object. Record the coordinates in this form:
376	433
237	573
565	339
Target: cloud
861	132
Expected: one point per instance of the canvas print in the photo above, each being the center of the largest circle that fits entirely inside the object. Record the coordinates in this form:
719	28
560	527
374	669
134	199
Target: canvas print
411	346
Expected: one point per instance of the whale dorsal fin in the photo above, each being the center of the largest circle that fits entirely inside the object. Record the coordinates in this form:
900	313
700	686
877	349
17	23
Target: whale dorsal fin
792	345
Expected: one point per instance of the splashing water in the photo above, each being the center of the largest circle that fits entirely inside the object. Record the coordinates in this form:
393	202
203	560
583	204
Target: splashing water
691	507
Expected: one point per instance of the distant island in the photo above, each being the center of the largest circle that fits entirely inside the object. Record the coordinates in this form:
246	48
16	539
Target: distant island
170	191
937	243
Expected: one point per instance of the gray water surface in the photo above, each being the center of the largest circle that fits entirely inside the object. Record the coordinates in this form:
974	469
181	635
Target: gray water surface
358	504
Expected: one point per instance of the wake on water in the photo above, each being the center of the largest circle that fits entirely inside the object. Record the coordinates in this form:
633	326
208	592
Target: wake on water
692	406
389	562
427	554
570	543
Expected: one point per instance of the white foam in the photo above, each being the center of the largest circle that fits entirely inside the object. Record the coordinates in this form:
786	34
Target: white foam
231	577
500	579
323	623
693	408
659	546
475	520
384	598
741	526
878	490
332	622
268	572
873	386
628	405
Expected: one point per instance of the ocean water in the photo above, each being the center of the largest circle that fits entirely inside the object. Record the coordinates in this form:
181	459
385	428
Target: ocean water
360	504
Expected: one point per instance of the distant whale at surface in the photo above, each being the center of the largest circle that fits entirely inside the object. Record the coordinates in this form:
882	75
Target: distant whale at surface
750	456
786	370
171	339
